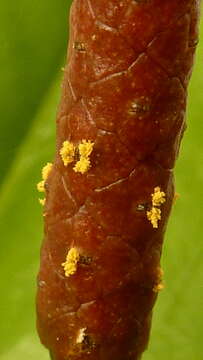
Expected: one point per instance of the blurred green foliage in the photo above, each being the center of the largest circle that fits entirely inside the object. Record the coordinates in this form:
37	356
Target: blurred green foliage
33	37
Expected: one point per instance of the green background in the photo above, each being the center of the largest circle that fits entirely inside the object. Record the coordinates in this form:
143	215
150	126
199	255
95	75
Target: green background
33	38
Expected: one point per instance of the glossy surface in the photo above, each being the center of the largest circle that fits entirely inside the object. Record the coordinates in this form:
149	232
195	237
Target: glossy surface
135	116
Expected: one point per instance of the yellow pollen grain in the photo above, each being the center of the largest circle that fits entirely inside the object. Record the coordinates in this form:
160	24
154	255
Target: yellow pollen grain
176	197
82	165
70	265
67	152
154	215
40	186
160	273
46	171
42	201
85	149
158	287
158	197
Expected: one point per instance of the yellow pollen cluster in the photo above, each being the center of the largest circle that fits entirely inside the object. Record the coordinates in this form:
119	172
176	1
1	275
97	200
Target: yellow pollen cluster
158	197
67	152
160	273
46	171
159	284
154	215
158	287
70	265
82	165
176	197
85	149
42	201
41	185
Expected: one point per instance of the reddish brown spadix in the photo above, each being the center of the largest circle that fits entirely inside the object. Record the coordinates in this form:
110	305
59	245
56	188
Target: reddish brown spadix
110	189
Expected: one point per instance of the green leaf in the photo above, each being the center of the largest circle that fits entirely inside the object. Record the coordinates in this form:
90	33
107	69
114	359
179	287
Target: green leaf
33	37
33	80
21	230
